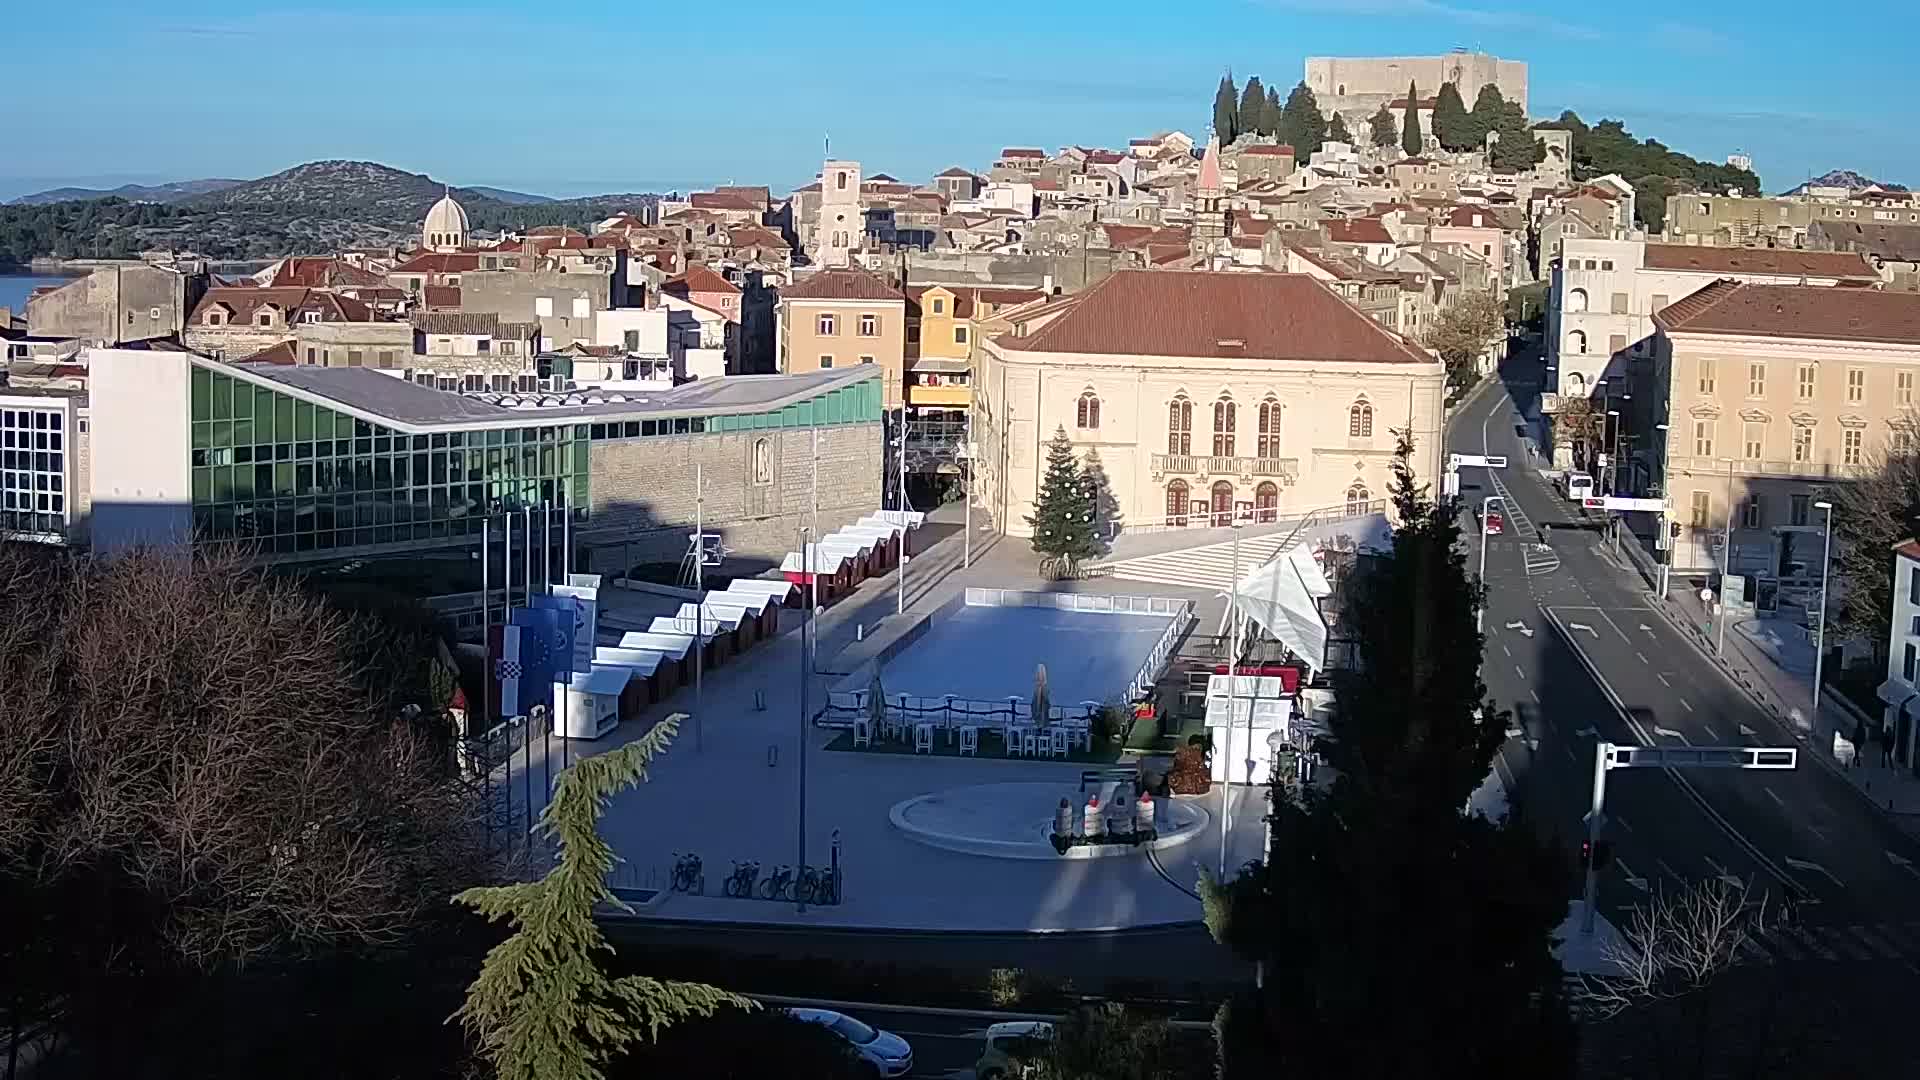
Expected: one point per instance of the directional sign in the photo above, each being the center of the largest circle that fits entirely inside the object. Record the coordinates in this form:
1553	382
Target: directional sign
1651	506
1478	461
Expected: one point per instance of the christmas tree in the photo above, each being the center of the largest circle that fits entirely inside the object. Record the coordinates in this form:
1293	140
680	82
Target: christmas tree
1062	519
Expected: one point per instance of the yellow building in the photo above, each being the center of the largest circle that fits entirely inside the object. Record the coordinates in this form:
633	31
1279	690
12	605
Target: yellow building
943	330
1206	395
840	318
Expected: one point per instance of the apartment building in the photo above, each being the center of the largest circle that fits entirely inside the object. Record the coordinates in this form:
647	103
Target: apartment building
842	318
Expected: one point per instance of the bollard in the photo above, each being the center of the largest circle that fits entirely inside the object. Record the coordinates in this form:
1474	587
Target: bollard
859	631
773	755
760	700
1063	827
1092	823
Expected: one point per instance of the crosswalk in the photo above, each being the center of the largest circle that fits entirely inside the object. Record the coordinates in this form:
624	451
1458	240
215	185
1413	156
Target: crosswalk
1540	558
1833	944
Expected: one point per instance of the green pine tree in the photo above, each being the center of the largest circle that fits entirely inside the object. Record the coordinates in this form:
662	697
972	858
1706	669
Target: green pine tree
1488	107
1411	140
543	1006
1380	126
1337	130
1252	111
1226	110
1450	119
1270	116
1063	517
1517	148
1301	124
1388	845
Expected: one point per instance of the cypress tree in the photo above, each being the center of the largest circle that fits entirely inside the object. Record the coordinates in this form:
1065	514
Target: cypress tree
1301	124
1337	130
1063	516
1270	116
1410	138
1488	107
1381	128
1253	107
543	1006
1450	119
1226	110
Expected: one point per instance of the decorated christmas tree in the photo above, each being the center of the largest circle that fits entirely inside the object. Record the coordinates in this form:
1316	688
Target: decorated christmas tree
1063	518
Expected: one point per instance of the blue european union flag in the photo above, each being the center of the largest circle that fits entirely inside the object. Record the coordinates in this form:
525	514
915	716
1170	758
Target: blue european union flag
540	655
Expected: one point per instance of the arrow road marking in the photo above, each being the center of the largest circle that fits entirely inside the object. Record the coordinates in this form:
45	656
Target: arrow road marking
1721	873
1814	867
1585	732
1670	733
1746	732
1646	628
1637	882
1584	626
1524	629
1902	862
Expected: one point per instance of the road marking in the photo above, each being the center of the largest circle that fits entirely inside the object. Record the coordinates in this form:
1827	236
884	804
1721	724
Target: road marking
1506	650
1620	821
1818	832
1569	751
1777	800
1587	731
1525	630
1662	676
1535	695
1684	705
1517	670
1711	734
1646	628
1813	944
1668	870
1902	862
1584	626
1807	865
1668	732
1721	873
1746	732
1637	882
1641	655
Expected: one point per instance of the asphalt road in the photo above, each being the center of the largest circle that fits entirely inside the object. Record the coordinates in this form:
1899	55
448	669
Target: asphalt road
1576	650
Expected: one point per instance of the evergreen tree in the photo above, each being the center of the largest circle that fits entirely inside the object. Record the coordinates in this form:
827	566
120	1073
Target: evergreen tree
1488	105
1518	148
1396	928
1411	140
1270	116
1301	124
1450	119
1063	517
1226	110
1380	125
1337	130
543	1006
1253	109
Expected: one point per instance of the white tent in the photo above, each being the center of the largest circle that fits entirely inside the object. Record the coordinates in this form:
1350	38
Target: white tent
669	643
643	661
1281	596
778	591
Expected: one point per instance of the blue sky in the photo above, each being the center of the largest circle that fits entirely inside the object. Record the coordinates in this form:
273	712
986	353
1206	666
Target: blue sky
584	96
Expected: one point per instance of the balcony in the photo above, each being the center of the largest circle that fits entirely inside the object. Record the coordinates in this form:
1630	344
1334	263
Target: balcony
957	397
1208	466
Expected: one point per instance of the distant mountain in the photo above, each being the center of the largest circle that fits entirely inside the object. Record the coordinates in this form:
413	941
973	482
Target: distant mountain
1845	178
162	193
310	209
513	198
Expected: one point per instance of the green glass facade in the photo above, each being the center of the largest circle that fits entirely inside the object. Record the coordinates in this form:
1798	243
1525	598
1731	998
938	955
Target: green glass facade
293	476
855	404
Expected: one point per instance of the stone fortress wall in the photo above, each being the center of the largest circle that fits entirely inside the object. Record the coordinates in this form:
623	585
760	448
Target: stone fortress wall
1356	87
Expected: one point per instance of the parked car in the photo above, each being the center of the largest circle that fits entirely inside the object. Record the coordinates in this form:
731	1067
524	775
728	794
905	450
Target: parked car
886	1054
997	1060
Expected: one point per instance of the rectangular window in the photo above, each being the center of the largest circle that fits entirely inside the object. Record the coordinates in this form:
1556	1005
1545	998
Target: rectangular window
1913	586
1703	438
1805	384
1754	440
1903	385
939	306
1751	515
826	326
1699	507
1802	444
356	358
866	359
631	340
1619	304
1659	301
1616	344
1797	508
826	361
582	308
1856	384
1757	379
1850	441
959	335
869	325
1706	375
543	306
1907	658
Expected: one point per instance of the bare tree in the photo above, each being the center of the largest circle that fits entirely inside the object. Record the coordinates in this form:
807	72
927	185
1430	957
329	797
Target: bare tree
1878	509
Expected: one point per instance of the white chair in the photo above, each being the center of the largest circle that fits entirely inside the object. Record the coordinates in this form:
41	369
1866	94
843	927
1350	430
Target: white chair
923	738
1013	733
1029	742
862	733
969	740
1080	735
1057	741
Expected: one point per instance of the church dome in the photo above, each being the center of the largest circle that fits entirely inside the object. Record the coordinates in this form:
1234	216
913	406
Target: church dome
446	225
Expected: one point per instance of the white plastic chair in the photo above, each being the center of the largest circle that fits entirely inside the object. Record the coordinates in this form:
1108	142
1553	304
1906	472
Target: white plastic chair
923	738
1029	742
862	733
1080	735
1013	734
1057	745
969	740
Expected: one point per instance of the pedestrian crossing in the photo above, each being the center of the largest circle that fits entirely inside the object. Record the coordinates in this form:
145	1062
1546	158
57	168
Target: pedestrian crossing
1836	944
1540	557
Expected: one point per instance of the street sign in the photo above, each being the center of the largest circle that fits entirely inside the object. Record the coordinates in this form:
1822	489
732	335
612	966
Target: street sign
1478	461
1651	506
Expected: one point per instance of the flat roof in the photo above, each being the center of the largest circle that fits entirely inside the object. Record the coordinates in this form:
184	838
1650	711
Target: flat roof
408	406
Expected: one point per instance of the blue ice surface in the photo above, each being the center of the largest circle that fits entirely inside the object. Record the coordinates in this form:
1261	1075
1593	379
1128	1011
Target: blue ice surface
985	653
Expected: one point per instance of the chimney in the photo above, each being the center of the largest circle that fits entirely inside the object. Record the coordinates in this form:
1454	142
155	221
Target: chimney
1046	284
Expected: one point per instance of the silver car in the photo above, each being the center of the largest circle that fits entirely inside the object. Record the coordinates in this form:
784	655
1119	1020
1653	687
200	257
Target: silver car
887	1054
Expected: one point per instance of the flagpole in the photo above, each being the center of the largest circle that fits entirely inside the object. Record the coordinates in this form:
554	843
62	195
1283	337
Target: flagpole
486	631
546	545
527	521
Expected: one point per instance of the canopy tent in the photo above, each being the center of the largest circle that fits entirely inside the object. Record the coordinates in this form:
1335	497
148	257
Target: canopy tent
1282	597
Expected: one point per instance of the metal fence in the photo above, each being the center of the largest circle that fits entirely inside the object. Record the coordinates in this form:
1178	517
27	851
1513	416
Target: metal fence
1119	605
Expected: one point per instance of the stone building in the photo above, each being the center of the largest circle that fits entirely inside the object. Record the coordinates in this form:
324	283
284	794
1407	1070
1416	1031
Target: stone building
1205	395
840	221
117	305
1357	86
231	322
562	304
844	318
445	228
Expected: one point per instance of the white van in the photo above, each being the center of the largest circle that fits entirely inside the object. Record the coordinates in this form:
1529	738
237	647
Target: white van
1576	486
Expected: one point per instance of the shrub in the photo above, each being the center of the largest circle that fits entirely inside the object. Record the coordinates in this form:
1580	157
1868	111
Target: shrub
1005	986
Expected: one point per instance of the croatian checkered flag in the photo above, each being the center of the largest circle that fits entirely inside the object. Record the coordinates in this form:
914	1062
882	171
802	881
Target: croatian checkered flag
507	668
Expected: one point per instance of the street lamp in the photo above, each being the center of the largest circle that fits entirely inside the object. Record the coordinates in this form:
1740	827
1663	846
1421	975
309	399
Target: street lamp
1666	522
1820	630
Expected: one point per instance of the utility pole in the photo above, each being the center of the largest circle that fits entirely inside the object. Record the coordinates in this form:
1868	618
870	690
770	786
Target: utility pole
1726	562
1233	694
966	480
699	607
806	676
1820	632
900	593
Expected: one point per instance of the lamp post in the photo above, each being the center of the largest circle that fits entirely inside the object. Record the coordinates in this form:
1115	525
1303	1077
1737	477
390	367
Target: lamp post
1233	688
1666	522
1820	631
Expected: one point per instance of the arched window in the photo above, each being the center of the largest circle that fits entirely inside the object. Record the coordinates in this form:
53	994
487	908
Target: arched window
1360	420
1357	498
1266	501
1086	415
1577	341
1180	426
1577	300
1576	384
1177	503
1222	503
1269	428
840	181
1225	419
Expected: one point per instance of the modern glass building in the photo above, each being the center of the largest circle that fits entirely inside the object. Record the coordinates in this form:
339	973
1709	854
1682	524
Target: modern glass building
39	450
317	462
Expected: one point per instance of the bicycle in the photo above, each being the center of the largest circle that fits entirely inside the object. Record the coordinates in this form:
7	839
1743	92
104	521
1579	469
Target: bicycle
778	884
808	886
687	873
826	886
739	884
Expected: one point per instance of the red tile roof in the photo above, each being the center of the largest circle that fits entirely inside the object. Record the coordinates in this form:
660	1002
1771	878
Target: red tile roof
1105	157
722	200
441	297
755	236
1401	103
955	171
1269	150
1471	217
700	279
1909	548
1358	231
1784	262
282	354
1203	314
1817	312
321	272
1022	152
841	284
434	262
244	302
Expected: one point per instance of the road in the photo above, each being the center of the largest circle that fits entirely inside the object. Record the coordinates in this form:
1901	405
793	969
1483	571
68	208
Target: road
1577	652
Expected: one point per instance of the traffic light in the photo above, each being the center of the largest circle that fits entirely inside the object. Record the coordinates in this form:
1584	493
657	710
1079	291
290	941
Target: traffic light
1675	527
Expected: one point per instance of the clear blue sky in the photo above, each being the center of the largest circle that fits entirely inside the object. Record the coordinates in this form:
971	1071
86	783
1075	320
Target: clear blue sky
584	96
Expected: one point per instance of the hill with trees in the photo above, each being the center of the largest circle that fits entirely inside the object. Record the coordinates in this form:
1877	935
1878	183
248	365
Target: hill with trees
1654	169
310	209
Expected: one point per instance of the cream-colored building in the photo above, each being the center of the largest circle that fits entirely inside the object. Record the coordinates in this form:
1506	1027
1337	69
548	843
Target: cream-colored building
1205	395
1774	393
839	318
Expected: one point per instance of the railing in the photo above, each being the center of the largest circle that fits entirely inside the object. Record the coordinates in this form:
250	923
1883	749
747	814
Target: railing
1118	605
1287	469
1327	515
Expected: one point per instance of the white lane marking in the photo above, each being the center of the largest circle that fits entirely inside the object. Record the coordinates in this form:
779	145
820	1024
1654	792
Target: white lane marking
1684	705
1535	695
1641	655
1517	670
1569	751
1668	870
1669	733
1721	873
1525	630
1901	861
1662	676
1584	626
1637	882
1818	832
1809	866
1711	734
1775	796
1506	650
1622	822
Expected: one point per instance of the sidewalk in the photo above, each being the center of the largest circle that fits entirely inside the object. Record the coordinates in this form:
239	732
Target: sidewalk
1773	661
